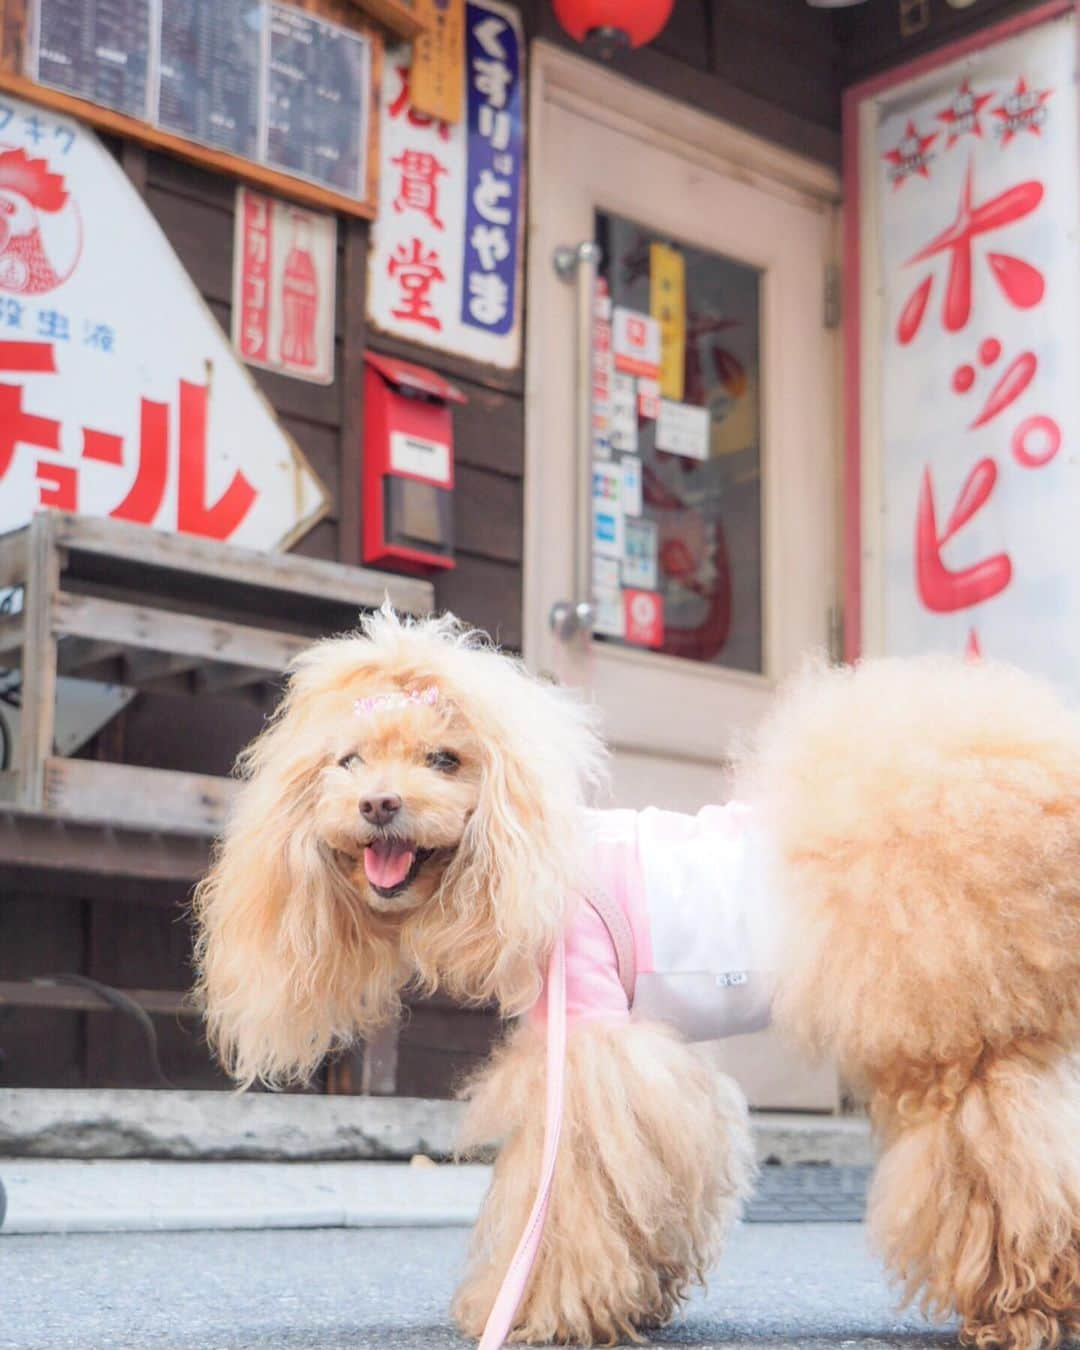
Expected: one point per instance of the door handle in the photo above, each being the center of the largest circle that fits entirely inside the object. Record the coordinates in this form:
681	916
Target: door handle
579	265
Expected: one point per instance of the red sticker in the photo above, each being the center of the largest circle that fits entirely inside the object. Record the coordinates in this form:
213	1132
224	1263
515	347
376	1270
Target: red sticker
644	613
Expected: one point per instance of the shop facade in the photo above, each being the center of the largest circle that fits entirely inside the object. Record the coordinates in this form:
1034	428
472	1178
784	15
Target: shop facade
701	501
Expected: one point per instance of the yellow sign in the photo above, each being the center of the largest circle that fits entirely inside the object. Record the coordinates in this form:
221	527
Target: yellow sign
437	82
667	304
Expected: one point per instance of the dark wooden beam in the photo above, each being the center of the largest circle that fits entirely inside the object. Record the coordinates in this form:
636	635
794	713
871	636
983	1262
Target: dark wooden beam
45	993
30	841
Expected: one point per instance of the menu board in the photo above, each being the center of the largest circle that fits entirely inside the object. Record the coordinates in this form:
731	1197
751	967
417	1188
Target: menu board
255	78
209	68
99	50
317	96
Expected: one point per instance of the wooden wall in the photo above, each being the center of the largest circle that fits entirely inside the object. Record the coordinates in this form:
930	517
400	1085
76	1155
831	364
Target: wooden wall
770	66
869	37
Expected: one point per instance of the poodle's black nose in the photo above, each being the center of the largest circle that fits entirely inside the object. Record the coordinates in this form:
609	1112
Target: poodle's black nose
380	810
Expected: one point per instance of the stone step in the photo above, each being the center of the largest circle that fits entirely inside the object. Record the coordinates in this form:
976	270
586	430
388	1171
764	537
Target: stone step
257	1126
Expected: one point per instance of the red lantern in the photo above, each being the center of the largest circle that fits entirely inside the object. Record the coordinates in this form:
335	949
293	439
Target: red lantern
607	25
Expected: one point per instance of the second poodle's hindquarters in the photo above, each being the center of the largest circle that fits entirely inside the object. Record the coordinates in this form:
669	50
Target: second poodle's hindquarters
926	822
654	1163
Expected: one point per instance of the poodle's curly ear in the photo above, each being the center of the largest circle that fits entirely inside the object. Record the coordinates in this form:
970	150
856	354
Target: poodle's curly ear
507	891
288	965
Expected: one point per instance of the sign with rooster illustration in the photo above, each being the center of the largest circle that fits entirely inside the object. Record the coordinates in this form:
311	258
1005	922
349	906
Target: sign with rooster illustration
120	395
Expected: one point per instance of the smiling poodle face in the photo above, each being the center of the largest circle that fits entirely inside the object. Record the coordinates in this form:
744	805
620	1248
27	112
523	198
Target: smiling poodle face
399	786
412	817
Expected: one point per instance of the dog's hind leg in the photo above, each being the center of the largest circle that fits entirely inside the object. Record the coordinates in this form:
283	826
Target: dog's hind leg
976	1201
654	1161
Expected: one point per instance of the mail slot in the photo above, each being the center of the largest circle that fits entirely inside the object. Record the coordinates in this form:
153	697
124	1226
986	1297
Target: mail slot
408	466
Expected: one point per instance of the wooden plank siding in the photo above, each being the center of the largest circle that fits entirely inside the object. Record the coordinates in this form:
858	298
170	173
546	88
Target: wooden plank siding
870	40
770	66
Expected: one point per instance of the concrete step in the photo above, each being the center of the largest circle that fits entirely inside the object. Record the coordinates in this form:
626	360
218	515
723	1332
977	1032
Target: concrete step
256	1126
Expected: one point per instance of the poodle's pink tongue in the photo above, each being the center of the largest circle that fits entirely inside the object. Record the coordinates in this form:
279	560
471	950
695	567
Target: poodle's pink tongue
387	862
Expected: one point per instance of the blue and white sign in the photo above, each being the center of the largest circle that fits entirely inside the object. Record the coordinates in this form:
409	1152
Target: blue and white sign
445	264
608	517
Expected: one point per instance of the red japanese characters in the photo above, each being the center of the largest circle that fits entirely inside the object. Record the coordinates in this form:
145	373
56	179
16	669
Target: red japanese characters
139	498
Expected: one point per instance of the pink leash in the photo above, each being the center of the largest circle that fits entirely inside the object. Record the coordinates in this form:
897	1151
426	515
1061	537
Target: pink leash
501	1319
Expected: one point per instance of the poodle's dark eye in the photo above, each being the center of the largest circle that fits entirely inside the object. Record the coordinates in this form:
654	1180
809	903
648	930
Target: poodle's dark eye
444	760
349	761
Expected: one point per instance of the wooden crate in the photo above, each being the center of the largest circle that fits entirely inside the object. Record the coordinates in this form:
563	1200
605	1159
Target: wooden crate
86	583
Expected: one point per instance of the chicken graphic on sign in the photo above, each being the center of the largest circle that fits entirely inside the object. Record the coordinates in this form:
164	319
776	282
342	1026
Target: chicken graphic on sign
40	227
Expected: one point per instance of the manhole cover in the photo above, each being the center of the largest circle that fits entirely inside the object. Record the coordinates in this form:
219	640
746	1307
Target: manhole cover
809	1194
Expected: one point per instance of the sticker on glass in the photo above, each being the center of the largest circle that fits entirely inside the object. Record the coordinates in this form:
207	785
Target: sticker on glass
623	431
631	484
602	372
639	554
683	429
636	340
609	618
605	574
607	510
667	300
648	399
643	616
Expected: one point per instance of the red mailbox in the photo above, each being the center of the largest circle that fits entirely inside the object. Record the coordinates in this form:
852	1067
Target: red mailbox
408	465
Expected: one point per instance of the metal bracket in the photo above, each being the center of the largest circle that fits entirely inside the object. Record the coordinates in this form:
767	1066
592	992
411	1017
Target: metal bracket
578	263
567	257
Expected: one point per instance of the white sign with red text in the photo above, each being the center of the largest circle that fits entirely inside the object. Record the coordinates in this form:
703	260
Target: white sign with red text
284	270
636	341
970	218
445	263
120	395
683	429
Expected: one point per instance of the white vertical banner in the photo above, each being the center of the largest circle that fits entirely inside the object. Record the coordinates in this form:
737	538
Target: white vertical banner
445	263
970	352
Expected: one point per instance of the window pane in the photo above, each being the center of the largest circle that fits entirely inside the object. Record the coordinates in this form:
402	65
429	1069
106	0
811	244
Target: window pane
677	468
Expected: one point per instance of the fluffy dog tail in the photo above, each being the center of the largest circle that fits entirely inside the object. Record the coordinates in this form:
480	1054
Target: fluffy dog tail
654	1162
926	816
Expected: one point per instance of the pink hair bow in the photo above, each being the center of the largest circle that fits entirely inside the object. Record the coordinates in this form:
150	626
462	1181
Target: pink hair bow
397	698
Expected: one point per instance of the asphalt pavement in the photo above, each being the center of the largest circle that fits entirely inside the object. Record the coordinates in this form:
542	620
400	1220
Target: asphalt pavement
808	1285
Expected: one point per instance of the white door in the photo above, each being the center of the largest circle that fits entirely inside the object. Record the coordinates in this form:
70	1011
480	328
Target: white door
707	531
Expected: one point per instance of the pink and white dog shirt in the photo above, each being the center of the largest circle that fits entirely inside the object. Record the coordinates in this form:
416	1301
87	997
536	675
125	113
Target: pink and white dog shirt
677	925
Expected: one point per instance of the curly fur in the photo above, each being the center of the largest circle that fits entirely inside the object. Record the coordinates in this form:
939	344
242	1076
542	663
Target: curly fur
926	816
654	1163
